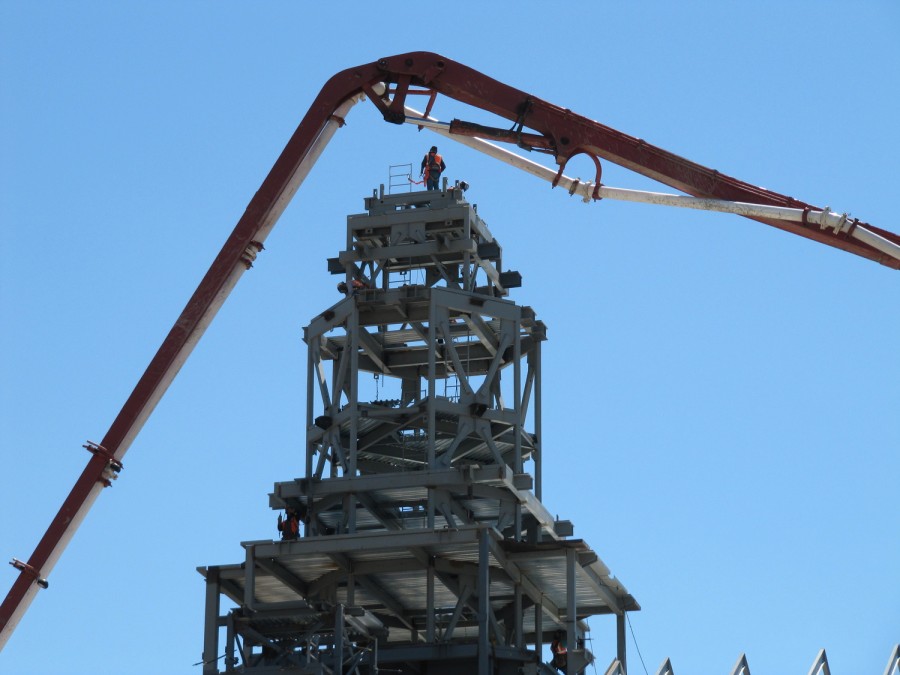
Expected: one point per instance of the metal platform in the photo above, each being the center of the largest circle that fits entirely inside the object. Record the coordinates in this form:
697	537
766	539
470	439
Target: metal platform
407	585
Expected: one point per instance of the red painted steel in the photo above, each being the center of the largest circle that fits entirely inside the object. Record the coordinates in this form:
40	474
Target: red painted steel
561	131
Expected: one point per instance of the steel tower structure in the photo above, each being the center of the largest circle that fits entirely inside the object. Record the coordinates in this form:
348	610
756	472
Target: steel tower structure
424	544
537	126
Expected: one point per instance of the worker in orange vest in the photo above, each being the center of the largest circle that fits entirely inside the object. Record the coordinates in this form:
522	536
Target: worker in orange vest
355	285
559	651
432	167
289	526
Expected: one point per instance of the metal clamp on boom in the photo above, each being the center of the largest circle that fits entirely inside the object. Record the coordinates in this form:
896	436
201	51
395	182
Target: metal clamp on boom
250	253
839	222
113	466
30	571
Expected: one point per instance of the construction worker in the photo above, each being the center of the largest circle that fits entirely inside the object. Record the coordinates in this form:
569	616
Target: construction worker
355	285
432	167
289	526
560	659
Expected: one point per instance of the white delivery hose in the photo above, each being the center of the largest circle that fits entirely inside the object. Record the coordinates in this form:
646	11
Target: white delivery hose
839	222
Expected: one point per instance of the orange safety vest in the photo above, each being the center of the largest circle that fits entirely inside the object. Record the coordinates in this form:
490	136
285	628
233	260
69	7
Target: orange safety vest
288	526
432	164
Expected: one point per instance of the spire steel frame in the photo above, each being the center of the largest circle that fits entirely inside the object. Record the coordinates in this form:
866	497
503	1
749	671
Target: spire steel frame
425	544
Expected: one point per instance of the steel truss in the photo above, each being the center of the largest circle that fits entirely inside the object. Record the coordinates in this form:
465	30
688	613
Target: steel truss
425	545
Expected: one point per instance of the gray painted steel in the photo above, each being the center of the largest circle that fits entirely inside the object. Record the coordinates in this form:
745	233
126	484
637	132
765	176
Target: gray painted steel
424	543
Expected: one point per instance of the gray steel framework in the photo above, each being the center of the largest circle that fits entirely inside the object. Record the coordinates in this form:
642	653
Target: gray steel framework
425	546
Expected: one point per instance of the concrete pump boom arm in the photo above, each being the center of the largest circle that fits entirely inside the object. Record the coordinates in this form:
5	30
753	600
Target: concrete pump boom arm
387	82
565	134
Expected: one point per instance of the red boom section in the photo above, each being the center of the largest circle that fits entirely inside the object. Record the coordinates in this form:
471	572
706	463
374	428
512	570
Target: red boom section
199	311
561	132
567	134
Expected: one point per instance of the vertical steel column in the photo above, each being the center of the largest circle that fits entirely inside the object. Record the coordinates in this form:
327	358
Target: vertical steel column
337	386
338	661
348	246
429	602
519	417
313	349
519	638
538	432
539	630
517	395
468	277
432	379
620	639
484	603
211	625
250	578
431	409
353	331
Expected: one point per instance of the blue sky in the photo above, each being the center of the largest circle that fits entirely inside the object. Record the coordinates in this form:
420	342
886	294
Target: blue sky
720	407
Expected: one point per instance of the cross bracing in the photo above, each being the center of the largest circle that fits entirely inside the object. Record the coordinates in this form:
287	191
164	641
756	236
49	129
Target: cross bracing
424	544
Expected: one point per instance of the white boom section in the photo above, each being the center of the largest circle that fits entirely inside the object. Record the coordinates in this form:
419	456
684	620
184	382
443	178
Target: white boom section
826	219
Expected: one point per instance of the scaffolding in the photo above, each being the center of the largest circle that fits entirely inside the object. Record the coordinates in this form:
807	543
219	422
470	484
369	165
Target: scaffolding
424	545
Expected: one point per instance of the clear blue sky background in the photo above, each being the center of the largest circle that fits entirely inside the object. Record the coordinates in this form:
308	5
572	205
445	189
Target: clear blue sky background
721	398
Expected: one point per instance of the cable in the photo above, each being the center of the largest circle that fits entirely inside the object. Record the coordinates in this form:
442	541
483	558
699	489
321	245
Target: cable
634	639
590	642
